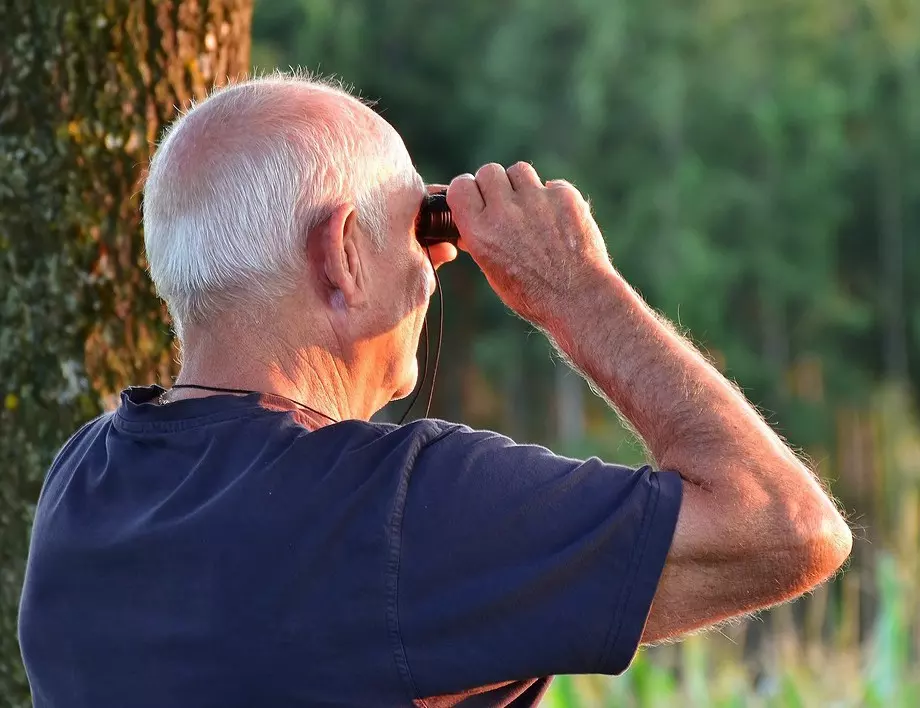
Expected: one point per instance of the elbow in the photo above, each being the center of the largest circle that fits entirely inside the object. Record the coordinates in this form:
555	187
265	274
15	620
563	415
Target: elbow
822	551
833	544
819	539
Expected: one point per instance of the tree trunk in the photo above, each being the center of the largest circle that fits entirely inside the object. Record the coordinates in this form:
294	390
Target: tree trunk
85	90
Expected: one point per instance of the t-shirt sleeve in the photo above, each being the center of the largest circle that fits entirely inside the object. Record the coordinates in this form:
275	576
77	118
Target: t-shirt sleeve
518	563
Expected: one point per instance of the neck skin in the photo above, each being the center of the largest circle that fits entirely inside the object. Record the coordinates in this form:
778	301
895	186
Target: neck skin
343	385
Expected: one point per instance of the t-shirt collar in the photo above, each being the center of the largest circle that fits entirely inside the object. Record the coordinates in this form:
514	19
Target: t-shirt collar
141	404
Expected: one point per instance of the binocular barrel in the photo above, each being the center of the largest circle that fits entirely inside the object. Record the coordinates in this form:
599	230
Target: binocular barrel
435	223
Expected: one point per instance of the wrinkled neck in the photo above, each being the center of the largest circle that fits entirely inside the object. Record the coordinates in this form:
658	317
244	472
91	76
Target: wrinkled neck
312	373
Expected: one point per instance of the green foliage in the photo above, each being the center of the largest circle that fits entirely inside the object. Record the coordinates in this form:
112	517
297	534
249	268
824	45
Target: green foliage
756	171
754	168
751	166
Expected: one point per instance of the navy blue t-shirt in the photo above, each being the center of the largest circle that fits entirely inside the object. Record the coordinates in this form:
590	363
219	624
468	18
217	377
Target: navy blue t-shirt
215	553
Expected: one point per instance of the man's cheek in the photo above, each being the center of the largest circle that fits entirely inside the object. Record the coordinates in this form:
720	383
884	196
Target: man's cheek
425	281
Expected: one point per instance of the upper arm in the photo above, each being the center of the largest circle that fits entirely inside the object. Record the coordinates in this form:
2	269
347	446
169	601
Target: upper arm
723	564
517	563
694	590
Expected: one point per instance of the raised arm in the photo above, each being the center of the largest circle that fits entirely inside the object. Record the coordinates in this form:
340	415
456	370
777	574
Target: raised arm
755	527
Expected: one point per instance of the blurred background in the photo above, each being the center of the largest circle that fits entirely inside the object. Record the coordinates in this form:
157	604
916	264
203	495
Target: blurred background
755	168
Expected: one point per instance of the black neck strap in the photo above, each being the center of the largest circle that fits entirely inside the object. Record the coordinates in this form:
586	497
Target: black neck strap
220	389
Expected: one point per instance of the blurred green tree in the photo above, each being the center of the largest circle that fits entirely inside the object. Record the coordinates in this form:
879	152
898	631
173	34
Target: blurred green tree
752	168
755	170
85	90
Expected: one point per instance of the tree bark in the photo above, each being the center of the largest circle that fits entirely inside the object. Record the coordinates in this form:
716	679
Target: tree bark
85	90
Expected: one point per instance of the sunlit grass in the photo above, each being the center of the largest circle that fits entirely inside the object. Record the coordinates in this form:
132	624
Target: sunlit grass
698	673
820	652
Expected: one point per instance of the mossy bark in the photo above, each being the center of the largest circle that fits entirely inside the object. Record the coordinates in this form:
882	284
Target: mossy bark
85	90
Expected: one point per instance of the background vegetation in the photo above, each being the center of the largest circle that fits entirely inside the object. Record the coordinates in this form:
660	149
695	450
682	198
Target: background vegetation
755	168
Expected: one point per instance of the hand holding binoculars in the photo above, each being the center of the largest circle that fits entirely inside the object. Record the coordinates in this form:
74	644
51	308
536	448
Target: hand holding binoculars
434	223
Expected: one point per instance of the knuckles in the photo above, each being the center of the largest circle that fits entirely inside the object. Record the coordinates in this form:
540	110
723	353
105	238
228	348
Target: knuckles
490	169
519	211
521	168
567	197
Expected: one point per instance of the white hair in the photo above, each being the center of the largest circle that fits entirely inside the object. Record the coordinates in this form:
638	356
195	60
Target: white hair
241	179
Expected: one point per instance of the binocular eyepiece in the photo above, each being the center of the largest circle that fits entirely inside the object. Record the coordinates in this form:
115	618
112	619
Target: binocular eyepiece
434	223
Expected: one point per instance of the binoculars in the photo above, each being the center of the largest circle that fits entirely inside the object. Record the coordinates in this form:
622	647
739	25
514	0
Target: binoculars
434	223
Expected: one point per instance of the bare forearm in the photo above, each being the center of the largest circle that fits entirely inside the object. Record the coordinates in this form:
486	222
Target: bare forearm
755	527
691	418
688	415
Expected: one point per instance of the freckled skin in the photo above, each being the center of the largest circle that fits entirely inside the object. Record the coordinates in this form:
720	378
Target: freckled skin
755	528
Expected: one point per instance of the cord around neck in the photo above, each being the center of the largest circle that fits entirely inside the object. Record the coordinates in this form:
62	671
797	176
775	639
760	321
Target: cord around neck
421	383
221	389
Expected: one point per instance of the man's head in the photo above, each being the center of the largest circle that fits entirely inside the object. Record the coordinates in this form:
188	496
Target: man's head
284	208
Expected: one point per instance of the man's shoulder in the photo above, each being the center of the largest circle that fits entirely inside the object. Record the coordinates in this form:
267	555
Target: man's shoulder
84	435
442	444
427	428
76	446
416	434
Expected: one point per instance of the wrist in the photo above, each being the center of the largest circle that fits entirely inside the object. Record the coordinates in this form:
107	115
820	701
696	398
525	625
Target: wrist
607	331
597	293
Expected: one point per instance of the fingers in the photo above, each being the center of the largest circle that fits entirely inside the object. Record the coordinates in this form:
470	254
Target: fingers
441	253
464	198
468	196
567	192
496	184
436	188
522	175
493	183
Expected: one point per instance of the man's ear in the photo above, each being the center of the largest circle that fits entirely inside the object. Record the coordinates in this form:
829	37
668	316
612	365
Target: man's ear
333	249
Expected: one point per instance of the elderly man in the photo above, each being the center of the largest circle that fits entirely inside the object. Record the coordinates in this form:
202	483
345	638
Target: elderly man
249	538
